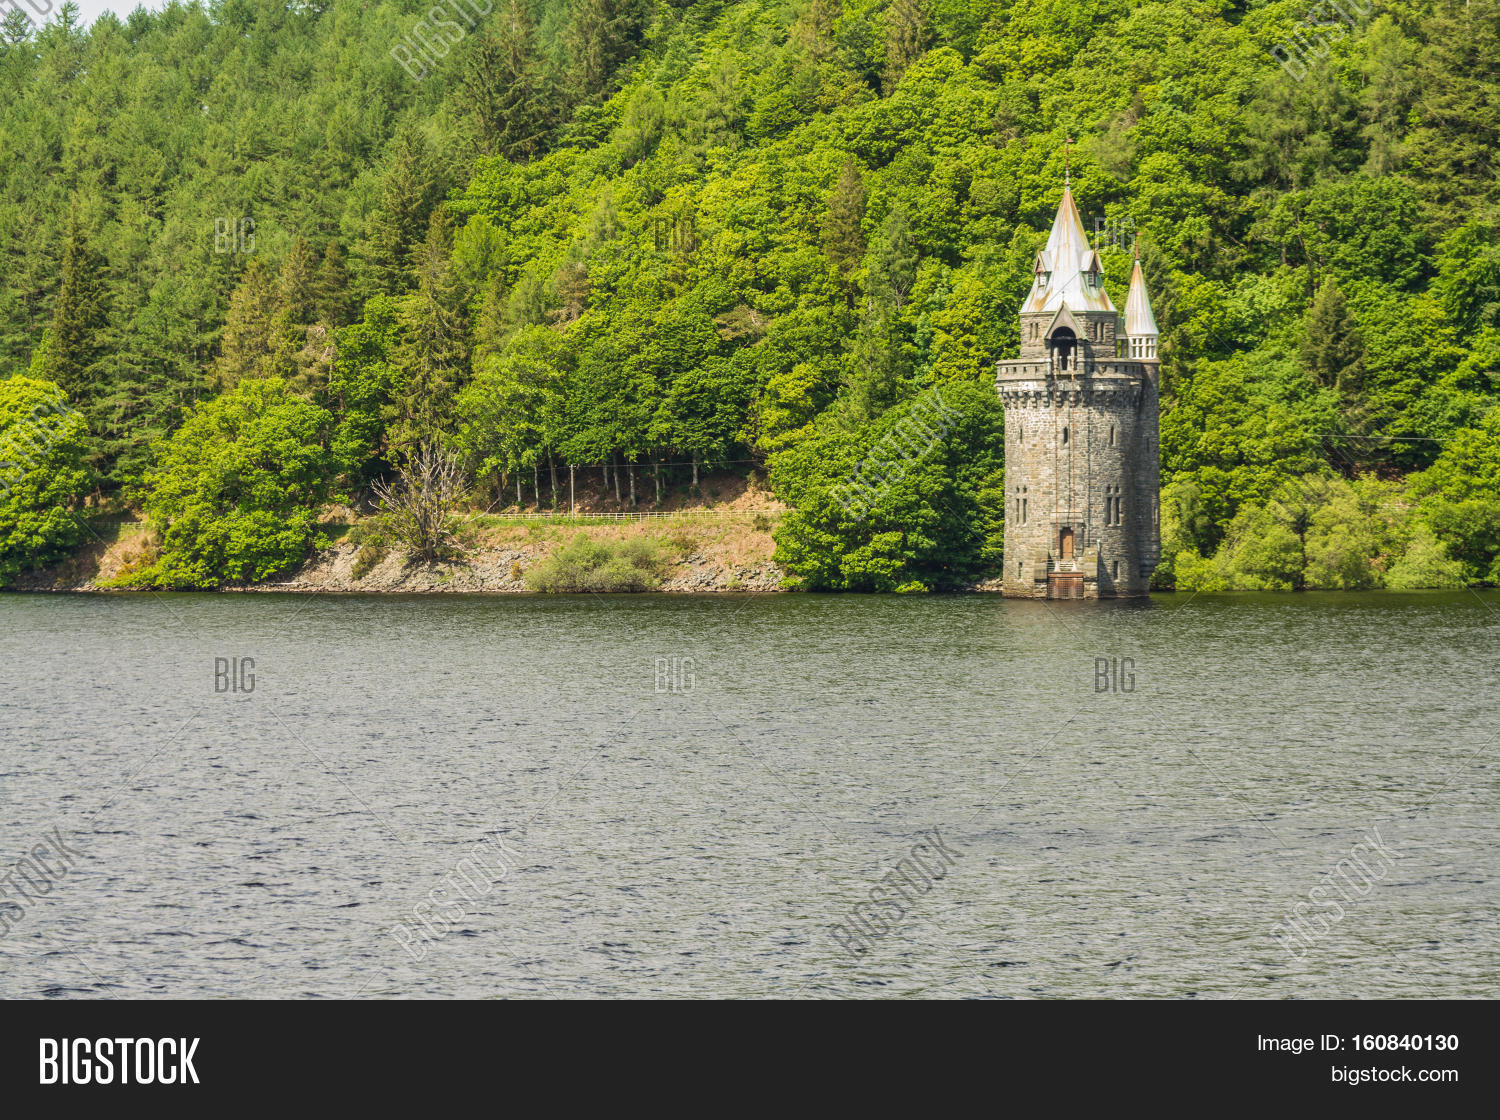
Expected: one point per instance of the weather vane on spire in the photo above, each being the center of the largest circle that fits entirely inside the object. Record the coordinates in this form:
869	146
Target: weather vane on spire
1067	162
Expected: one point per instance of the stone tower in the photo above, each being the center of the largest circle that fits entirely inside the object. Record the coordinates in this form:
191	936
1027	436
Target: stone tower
1082	479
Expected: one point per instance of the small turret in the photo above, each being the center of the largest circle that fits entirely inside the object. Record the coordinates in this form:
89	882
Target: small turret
1140	324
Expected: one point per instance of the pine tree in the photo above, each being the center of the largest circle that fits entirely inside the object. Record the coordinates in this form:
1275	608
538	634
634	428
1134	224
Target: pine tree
248	342
482	88
298	286
843	234
334	298
1451	153
813	31
906	37
78	321
408	194
881	364
155	376
15	28
437	347
1332	349
570	290
1389	79
880	368
296	310
600	35
510	94
492	322
893	263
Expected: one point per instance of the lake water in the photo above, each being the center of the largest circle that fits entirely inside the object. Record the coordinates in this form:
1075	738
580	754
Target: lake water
686	796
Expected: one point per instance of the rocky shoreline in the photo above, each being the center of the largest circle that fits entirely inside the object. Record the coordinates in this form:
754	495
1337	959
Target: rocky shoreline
493	571
488	570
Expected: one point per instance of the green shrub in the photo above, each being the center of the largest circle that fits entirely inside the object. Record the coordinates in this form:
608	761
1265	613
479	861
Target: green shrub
1460	498
1194	573
369	531
1352	535
913	500
365	559
1425	563
1260	553
235	491
636	564
42	475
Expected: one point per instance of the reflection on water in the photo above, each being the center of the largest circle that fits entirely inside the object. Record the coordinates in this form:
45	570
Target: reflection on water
610	796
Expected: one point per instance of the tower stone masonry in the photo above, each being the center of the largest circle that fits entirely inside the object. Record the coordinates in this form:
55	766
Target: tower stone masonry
1082	471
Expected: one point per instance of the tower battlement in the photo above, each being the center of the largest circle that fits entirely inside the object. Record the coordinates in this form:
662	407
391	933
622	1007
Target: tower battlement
1082	473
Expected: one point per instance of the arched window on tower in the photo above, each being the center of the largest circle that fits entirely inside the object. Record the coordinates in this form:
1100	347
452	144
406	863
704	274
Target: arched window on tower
1065	435
1063	343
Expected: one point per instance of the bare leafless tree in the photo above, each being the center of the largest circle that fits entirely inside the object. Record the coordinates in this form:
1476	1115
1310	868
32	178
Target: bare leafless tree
420	506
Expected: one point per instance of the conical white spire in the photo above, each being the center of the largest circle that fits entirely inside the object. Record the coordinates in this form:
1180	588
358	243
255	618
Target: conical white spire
1069	273
1139	321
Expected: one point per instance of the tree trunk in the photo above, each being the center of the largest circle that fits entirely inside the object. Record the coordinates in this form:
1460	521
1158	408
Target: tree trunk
695	472
608	470
656	474
619	501
630	468
572	503
552	466
520	502
536	483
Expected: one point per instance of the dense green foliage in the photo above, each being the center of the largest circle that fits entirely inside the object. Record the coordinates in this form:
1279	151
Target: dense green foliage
237	489
43	479
927	512
685	235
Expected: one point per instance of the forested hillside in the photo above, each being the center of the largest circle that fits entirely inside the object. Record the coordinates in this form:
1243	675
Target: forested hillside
267	253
